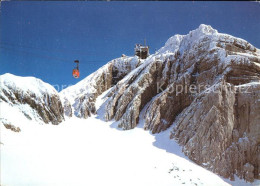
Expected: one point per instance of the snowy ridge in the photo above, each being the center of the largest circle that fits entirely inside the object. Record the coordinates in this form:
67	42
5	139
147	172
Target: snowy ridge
172	44
183	42
25	84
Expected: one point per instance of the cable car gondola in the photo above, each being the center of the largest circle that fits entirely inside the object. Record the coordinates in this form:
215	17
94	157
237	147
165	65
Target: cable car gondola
75	71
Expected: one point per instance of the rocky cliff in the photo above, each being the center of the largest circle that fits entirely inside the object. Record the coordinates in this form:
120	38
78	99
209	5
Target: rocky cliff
206	85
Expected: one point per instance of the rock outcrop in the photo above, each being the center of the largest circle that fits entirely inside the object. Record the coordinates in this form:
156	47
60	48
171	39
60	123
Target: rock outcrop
221	132
12	128
35	99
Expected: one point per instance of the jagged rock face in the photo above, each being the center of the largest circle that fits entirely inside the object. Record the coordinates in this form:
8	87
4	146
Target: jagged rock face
42	99
79	100
218	130
136	90
196	60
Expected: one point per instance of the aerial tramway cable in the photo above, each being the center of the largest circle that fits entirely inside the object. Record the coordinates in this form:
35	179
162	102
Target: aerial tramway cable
11	47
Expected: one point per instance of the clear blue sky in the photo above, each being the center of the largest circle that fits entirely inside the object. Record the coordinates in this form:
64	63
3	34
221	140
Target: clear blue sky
42	39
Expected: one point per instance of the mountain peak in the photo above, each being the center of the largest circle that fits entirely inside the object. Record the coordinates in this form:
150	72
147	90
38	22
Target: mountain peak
174	42
207	29
201	31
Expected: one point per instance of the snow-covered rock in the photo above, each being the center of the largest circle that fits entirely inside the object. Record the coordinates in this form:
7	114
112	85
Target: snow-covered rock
30	96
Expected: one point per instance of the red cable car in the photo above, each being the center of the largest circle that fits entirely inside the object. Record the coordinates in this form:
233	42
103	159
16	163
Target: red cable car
75	71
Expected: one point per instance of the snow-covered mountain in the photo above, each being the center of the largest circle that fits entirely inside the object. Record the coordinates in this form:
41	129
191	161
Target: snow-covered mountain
202	89
206	85
29	97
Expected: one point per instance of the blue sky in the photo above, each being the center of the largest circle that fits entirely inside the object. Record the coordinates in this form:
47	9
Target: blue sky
42	39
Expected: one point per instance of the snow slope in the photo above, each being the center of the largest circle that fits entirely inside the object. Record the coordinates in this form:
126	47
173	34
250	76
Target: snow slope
25	84
92	152
89	152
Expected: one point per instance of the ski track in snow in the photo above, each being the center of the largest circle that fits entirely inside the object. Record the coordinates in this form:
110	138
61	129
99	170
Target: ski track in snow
93	152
